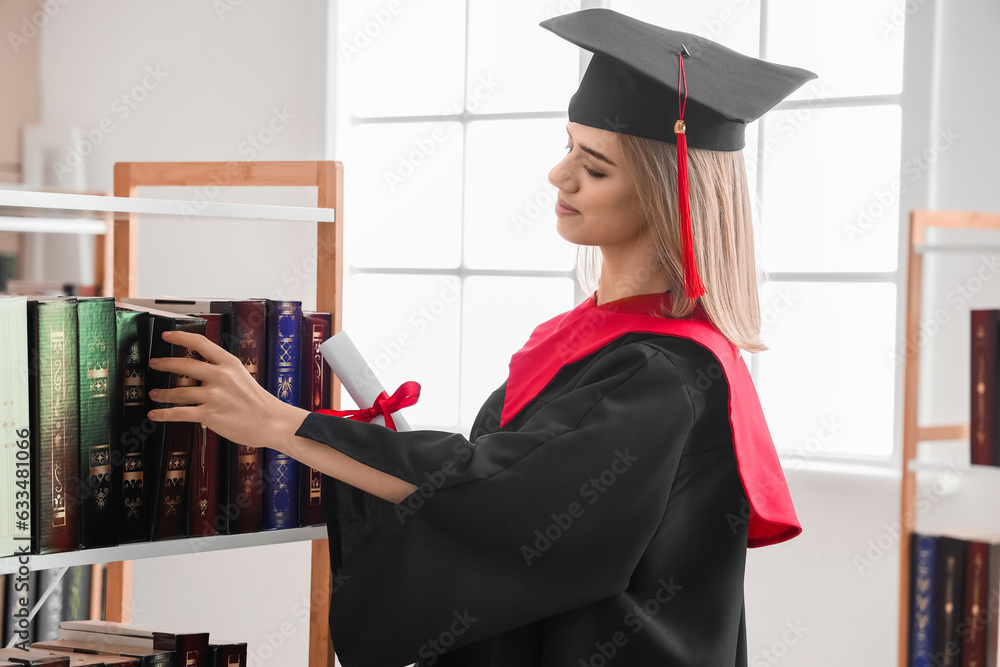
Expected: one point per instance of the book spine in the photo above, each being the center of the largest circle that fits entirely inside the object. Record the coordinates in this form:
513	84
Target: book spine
246	339
99	490
173	442
983	373
134	427
313	395
922	604
15	458
949	577
76	594
992	630
281	478
204	517
54	391
976	593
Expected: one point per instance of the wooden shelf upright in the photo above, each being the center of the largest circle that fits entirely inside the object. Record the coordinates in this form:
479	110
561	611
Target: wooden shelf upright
328	178
920	222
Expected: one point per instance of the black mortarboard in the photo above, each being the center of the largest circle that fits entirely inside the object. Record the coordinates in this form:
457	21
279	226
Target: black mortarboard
651	82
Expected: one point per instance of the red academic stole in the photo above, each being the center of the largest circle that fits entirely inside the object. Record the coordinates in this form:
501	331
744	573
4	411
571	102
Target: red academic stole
585	329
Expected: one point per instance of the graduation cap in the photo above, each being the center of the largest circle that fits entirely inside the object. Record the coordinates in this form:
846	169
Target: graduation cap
637	83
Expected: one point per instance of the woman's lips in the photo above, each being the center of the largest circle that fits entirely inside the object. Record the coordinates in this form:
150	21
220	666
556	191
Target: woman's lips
563	209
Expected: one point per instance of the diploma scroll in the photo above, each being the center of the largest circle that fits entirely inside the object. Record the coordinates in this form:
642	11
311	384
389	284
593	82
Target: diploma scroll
356	375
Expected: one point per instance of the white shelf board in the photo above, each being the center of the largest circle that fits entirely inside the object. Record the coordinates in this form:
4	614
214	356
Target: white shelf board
175	547
172	207
52	225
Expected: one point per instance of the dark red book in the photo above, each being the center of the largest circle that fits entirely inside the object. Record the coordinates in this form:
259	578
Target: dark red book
983	435
206	514
191	649
976	609
246	339
314	394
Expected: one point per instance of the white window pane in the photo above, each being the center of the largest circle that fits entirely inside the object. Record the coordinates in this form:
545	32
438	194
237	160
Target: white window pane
405	194
397	58
854	46
510	220
826	383
407	328
503	79
735	24
498	316
831	187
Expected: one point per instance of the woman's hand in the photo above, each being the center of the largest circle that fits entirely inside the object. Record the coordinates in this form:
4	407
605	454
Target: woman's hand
229	400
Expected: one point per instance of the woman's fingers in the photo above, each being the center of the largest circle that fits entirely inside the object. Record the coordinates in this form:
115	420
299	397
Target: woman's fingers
184	413
197	342
179	395
199	370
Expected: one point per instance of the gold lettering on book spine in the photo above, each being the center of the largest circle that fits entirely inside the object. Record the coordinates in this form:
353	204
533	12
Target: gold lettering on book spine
134	383
246	459
316	403
191	659
99	456
234	661
57	340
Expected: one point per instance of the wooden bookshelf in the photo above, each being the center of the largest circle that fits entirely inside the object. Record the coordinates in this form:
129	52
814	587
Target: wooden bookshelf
913	433
120	250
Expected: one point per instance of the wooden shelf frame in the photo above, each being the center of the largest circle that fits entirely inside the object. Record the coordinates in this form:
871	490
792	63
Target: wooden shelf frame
920	222
328	178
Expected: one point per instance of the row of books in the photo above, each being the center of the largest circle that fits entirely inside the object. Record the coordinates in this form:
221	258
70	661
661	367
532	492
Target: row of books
70	600
107	644
74	383
954	601
984	418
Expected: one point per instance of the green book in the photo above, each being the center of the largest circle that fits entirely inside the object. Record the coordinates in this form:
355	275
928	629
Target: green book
100	455
54	393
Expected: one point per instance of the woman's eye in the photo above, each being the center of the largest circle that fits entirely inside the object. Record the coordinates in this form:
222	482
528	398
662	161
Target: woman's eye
594	174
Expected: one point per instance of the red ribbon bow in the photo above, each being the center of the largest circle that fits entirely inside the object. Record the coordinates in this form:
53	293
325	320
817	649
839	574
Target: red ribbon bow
405	396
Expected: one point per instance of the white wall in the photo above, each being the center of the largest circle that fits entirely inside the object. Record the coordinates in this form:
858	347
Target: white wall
836	584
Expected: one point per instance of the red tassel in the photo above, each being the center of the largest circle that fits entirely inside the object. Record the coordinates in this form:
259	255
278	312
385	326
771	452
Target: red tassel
693	287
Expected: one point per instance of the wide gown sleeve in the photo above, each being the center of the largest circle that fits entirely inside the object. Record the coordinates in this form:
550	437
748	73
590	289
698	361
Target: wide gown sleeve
520	526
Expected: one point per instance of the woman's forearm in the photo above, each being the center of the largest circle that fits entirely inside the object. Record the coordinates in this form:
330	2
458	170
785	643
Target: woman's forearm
332	462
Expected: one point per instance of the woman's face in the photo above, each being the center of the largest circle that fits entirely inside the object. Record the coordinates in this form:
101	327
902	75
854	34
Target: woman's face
597	203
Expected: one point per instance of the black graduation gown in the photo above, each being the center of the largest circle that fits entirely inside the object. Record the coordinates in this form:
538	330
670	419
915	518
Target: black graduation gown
605	523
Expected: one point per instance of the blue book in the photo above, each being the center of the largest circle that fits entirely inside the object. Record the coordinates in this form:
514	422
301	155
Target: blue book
922	557
281	474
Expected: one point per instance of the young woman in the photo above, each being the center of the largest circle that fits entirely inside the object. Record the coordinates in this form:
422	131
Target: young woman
601	510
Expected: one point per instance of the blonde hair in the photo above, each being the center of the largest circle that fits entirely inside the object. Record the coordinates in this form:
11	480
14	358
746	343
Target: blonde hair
722	222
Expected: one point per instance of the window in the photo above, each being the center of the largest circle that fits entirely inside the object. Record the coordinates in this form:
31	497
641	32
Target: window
449	119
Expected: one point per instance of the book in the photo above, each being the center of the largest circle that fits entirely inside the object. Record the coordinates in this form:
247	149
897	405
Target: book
227	654
284	322
50	613
923	608
147	657
93	660
977	590
191	648
32	657
168	458
54	392
246	339
134	427
949	593
314	394
985	436
15	459
76	593
100	453
208	460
